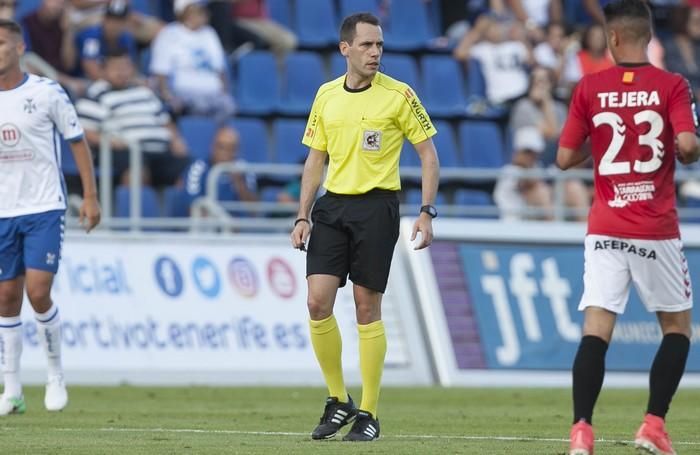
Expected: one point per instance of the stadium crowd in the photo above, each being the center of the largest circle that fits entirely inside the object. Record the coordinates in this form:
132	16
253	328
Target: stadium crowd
173	76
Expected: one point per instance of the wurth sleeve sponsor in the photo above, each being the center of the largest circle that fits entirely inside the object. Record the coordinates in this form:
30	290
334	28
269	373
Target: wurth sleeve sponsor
413	119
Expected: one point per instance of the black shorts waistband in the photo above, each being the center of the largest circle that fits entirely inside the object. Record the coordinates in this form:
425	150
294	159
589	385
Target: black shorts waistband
373	193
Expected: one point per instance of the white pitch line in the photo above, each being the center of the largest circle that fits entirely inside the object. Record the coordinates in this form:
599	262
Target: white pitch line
390	436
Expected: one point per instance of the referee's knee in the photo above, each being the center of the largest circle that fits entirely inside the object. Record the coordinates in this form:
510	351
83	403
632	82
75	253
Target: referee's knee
319	308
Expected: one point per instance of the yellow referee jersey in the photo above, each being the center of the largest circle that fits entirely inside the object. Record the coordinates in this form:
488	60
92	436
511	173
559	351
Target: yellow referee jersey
363	130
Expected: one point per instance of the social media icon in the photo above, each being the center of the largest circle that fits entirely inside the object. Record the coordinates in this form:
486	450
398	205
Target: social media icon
206	277
168	276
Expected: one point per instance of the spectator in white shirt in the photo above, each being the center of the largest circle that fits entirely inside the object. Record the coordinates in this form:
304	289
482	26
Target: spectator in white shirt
188	62
503	54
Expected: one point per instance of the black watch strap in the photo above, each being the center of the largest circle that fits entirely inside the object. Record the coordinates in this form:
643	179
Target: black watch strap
430	210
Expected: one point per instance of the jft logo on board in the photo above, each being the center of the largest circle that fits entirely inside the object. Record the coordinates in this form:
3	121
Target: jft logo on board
525	300
529	299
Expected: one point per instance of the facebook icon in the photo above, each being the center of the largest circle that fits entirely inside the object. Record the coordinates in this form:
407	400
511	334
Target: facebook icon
168	276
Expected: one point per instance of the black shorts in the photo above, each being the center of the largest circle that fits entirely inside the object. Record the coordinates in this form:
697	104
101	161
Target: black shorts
355	235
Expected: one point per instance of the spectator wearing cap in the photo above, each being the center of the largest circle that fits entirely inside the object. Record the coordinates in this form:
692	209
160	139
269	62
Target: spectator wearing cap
113	33
188	62
514	194
520	197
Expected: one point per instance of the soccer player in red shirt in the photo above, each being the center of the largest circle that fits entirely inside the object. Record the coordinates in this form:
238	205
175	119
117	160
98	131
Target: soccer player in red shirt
636	117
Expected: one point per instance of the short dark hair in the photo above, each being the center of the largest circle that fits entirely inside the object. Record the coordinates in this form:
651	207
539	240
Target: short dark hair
348	29
12	26
633	15
116	52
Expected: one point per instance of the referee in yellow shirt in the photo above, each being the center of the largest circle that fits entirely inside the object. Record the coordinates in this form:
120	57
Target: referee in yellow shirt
358	122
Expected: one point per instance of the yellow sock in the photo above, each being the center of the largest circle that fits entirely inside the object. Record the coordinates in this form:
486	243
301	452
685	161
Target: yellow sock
328	346
372	353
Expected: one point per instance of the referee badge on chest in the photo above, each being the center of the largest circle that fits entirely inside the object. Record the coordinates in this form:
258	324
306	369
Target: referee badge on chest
371	140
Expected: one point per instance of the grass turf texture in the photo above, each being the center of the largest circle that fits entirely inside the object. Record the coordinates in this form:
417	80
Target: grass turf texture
134	420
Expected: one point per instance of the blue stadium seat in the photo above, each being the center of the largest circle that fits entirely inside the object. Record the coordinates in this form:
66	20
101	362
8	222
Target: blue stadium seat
472	197
446	144
407	26
338	65
257	85
481	144
288	147
414	196
476	199
409	156
315	23
402	67
348	7
176	202
575	13
443	86
150	207
304	73
255	147
269	193
25	7
198	132
145	61
280	12
476	84
691	203
147	7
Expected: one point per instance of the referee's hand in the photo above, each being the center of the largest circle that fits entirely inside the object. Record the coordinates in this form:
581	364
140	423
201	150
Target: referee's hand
300	234
424	225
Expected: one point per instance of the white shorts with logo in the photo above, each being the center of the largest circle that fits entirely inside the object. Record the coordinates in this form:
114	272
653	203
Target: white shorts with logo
657	268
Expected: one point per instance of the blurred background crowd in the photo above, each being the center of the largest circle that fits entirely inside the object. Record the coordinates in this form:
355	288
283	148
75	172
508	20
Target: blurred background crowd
196	83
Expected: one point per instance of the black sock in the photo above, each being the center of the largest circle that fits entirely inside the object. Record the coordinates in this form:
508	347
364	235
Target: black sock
588	374
666	372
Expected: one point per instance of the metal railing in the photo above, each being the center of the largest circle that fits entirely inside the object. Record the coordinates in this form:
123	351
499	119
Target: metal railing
209	214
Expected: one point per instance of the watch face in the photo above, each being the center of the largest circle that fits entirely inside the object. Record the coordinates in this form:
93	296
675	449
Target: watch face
430	210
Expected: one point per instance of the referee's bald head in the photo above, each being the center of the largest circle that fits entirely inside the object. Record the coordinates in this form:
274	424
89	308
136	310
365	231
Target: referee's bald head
630	19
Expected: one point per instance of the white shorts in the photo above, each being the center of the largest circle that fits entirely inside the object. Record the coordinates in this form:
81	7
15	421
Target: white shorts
657	268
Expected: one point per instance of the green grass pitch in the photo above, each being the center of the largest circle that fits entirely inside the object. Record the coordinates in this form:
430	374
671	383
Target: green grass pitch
136	420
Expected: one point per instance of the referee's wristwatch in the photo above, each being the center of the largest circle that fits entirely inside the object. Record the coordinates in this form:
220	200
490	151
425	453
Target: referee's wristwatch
430	210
